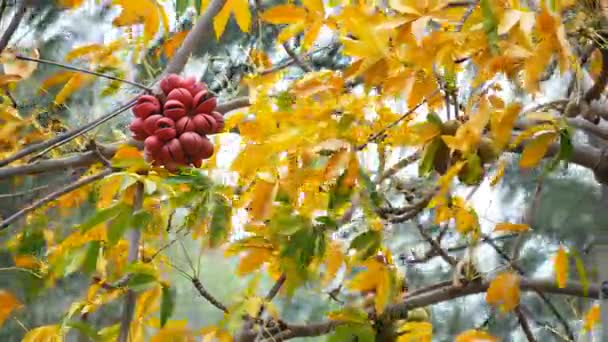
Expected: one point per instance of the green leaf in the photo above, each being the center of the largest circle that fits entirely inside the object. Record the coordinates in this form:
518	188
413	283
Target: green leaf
89	263
141	281
370	187
141	220
565	149
31	242
167	304
490	25
366	243
327	222
472	172
197	5
428	158
352	332
286	222
118	226
221	221
432	117
103	215
85	329
181	6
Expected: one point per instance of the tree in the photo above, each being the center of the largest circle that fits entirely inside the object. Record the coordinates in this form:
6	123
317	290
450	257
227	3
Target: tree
320	196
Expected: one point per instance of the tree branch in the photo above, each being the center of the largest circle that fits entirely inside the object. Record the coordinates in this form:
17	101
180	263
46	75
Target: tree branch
525	325
205	294
52	196
12	26
84	71
439	295
276	287
133	256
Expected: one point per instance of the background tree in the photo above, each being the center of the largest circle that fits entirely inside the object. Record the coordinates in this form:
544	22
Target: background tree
393	172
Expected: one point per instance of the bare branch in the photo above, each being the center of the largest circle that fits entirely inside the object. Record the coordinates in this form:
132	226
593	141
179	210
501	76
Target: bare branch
132	256
276	287
12	26
398	166
52	196
205	294
525	325
436	246
84	71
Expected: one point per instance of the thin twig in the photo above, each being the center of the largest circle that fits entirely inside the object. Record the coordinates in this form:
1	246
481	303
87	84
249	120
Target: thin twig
525	325
436	246
398	166
132	256
276	287
25	192
12	26
52	196
205	294
67	136
84	71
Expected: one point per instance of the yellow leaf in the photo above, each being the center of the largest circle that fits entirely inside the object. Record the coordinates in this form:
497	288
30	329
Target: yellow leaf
139	12
56	79
21	68
253	305
26	261
560	264
253	260
334	259
76	82
502	122
511	227
376	278
504	291
415	332
240	8
536	149
215	334
475	336
47	333
284	14
336	164
174	333
263	193
592	318
8	303
500	172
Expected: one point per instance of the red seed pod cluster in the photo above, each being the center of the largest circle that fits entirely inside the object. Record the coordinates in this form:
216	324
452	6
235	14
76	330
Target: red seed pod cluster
174	130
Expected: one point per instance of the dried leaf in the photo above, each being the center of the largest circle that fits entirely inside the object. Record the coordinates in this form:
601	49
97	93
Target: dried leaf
8	303
592	318
511	227
560	264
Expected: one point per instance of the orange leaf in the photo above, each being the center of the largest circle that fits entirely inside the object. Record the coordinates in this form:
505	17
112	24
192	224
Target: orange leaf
253	260
560	264
592	318
8	303
511	227
284	14
475	336
504	291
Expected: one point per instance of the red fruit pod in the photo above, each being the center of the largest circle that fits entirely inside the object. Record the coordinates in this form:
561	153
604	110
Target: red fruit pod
207	106
137	128
191	143
153	144
170	82
166	159
174	110
197	162
188	82
165	129
146	106
200	97
185	124
219	119
150	123
206	150
202	125
182	95
197	88
177	151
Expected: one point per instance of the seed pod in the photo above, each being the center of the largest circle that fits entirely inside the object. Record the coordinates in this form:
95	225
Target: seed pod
177	151
165	129
185	124
170	82
197	88
201	97
150	123
202	125
188	83
182	95
206	106
206	150
192	143
174	109
146	106
137	128
219	119
153	144
197	162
